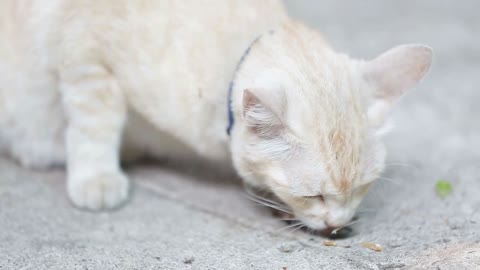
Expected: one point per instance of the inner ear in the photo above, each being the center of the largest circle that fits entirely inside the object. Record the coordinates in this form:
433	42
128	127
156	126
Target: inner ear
259	116
392	74
397	70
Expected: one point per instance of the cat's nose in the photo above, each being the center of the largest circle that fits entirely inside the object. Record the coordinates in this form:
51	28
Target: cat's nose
332	227
339	218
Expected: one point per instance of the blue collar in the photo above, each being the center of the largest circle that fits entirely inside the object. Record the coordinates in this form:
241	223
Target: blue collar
231	119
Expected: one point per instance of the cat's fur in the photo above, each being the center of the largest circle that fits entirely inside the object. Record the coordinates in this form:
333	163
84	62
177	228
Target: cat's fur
79	80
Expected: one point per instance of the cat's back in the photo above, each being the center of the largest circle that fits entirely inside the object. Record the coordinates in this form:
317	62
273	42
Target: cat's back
163	53
27	43
27	47
46	34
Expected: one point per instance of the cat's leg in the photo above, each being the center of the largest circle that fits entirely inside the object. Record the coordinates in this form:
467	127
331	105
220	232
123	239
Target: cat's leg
96	113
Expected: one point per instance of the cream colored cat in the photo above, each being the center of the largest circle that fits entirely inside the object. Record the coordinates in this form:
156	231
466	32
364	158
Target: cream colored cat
81	79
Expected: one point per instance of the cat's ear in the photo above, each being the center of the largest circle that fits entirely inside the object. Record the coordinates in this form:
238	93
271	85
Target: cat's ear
260	115
392	74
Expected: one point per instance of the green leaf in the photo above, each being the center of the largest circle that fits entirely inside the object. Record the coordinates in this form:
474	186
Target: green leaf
443	188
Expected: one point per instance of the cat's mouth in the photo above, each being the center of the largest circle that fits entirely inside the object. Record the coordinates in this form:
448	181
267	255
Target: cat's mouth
330	233
282	213
334	233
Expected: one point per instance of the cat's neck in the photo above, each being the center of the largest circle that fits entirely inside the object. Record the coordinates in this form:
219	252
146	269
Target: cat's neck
222	121
231	115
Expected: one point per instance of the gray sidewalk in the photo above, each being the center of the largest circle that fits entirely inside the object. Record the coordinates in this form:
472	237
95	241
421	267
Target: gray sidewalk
188	220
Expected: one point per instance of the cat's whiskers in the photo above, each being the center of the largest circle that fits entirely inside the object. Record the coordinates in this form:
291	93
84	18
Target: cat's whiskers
290	226
268	203
251	193
389	180
297	228
344	226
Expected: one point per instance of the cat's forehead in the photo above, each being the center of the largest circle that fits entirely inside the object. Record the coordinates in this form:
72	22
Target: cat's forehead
324	170
325	97
335	131
327	115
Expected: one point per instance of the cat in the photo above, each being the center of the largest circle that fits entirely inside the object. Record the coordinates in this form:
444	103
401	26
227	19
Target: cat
88	83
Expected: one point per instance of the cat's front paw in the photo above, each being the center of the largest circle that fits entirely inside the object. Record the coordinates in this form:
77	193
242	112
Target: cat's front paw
103	191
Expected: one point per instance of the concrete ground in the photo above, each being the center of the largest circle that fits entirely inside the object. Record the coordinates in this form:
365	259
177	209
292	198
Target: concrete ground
179	219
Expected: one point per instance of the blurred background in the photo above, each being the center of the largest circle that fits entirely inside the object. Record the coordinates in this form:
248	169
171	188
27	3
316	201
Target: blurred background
181	219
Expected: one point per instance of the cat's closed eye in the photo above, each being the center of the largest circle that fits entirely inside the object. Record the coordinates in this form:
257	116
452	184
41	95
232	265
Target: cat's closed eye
316	197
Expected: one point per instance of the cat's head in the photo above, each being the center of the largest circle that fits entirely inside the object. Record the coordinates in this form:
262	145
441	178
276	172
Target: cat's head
309	121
